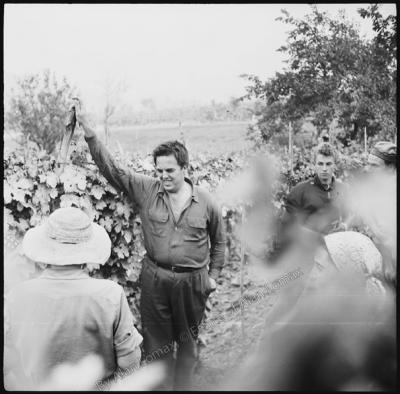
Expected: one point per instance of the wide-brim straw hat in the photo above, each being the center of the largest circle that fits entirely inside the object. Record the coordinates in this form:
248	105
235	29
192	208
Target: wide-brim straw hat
353	251
67	237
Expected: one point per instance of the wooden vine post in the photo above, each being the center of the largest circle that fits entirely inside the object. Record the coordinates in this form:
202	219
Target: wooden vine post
291	148
365	140
242	262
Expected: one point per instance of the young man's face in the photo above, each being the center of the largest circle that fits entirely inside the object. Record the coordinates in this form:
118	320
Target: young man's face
170	173
324	167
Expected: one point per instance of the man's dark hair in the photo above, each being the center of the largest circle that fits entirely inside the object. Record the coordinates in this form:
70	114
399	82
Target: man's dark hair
175	148
325	149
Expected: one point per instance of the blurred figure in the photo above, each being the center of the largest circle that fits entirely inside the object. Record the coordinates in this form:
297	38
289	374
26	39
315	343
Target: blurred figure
382	155
315	204
80	377
333	334
373	204
64	315
333	343
352	255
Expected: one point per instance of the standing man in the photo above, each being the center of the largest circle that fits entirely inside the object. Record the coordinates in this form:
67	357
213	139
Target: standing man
184	239
315	204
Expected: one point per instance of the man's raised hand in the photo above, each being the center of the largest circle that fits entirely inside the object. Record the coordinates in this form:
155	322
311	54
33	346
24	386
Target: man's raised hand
83	122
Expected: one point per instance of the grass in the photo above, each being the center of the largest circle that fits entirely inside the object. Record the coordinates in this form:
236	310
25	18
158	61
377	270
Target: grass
214	138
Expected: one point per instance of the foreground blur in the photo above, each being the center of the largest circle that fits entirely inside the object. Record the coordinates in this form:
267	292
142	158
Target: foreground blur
326	331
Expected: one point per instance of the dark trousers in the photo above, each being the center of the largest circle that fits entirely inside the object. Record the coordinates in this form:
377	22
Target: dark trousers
172	307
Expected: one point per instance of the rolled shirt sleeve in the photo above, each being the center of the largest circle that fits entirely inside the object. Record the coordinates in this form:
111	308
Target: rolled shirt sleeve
126	337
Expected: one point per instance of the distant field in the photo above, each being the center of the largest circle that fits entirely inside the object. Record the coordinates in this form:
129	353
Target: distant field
214	138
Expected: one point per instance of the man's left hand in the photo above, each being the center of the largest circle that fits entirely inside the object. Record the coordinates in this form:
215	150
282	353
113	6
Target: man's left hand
213	284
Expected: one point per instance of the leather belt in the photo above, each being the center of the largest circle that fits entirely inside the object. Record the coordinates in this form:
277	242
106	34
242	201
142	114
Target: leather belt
175	268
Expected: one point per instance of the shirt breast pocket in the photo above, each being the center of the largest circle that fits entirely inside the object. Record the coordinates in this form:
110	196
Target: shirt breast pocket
158	223
196	229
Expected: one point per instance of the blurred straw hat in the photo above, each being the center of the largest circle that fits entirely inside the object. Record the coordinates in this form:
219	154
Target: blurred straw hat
351	250
67	237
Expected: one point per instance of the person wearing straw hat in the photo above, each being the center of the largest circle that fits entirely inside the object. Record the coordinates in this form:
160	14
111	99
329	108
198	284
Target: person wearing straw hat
339	269
184	238
334	331
64	314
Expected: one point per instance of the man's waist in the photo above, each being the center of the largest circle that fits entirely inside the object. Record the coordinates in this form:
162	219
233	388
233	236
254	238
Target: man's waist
174	268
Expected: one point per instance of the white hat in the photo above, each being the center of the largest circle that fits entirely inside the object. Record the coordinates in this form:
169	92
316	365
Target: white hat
67	237
351	250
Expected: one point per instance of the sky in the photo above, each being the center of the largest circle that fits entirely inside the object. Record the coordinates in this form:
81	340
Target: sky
173	53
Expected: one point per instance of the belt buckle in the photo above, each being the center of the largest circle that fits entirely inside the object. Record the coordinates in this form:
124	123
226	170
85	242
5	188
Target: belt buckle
173	268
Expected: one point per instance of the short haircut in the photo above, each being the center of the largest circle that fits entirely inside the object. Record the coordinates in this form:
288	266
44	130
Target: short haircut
175	148
325	149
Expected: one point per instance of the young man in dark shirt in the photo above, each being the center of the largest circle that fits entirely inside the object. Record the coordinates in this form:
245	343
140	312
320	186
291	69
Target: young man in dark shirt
315	204
184	238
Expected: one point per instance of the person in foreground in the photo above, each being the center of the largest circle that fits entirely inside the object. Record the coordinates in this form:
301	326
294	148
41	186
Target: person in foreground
64	315
374	205
333	328
184	238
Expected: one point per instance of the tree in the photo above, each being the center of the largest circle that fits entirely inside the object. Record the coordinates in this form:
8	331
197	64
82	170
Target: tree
384	60
38	108
332	74
112	95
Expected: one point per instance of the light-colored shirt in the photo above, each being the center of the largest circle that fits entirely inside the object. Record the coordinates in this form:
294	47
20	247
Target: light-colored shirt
63	316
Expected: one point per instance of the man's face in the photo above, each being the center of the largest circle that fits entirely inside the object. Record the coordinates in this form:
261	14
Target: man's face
324	167
374	163
170	173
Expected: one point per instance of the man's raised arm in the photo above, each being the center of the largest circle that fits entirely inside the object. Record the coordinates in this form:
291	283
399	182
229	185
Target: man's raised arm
135	186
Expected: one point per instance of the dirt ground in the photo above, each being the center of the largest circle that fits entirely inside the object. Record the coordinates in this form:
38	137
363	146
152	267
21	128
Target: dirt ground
230	333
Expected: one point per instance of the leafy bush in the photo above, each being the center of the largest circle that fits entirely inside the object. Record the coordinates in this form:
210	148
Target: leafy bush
33	188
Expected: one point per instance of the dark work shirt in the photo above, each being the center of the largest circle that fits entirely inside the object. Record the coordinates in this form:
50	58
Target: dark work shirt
315	207
195	240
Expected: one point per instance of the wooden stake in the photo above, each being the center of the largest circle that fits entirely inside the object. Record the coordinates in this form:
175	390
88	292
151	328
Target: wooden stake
365	139
290	148
242	256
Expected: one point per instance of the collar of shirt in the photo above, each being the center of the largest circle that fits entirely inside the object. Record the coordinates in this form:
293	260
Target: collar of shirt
66	272
317	182
195	194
